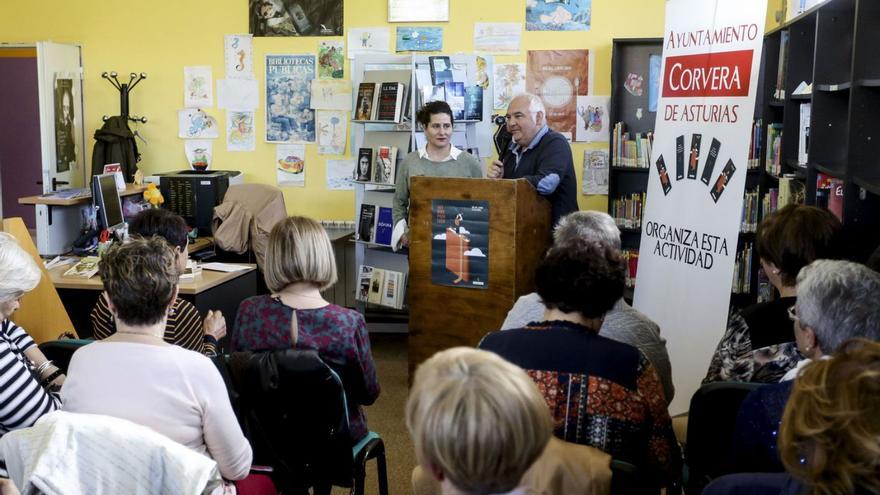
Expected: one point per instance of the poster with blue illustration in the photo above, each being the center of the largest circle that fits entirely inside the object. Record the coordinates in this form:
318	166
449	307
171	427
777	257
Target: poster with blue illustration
419	39
654	62
558	15
288	96
460	244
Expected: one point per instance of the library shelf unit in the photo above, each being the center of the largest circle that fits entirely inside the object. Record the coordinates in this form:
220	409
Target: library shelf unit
411	70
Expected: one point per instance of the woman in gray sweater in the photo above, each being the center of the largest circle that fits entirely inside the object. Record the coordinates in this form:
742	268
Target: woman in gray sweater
438	158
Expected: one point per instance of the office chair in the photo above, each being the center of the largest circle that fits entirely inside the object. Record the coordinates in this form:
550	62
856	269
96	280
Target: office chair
711	423
292	407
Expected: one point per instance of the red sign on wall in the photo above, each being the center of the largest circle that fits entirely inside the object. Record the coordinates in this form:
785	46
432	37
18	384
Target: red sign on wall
708	74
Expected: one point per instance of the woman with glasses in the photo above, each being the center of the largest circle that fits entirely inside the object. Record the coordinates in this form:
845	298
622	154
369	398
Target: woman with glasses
836	302
759	343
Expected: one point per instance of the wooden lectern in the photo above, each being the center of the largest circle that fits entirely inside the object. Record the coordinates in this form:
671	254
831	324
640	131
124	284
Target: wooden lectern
441	316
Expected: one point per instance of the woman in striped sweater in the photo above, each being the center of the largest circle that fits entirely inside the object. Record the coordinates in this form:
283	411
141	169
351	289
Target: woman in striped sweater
28	380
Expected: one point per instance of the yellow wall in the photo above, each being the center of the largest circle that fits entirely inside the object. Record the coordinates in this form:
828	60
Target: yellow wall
160	37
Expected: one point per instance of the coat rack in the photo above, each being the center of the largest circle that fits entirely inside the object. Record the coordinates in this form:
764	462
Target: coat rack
124	90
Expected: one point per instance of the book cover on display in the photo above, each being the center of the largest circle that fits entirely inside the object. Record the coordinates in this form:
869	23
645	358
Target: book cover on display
455	98
384	226
473	103
441	69
365	165
460	245
366	99
376	283
386	162
367	222
390	102
365	276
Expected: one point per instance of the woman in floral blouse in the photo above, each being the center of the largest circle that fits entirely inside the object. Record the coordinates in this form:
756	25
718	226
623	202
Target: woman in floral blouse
759	345
299	265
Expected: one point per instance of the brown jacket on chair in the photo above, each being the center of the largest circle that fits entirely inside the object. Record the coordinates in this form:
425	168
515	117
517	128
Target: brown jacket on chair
563	468
245	218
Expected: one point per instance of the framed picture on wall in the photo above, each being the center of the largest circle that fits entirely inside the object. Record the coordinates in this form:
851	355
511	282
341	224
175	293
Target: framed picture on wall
418	10
295	18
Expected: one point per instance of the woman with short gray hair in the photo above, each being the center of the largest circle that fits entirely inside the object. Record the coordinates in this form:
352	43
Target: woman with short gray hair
837	301
29	382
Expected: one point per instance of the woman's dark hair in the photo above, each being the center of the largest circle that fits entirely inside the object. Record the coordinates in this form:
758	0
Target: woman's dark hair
140	277
795	236
423	116
162	223
581	276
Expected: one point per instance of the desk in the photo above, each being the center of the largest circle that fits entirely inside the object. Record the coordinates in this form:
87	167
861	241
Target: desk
211	290
59	220
200	244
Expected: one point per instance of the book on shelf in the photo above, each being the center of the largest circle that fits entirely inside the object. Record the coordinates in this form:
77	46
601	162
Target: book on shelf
631	151
376	282
631	261
386	165
392	289
84	268
366	223
429	93
779	93
769	202
365	276
804	134
791	191
754	160
473	103
455	98
772	163
441	69
365	104
829	194
742	270
381	286
627	210
749	220
384	226
364	172
390	106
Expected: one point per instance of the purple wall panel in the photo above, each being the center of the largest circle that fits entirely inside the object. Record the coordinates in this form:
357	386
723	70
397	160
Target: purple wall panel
20	161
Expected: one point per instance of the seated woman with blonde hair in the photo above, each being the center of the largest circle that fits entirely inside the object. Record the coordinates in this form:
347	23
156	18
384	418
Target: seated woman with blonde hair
299	265
481	426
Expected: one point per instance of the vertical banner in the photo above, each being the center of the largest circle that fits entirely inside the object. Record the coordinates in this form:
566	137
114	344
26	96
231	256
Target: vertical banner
709	77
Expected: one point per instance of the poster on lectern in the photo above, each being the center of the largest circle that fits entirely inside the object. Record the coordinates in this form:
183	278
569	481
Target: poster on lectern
709	77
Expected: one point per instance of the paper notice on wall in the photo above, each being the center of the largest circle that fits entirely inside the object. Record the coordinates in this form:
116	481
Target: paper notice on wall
331	132
497	38
239	56
595	172
290	165
698	162
194	123
331	94
558	77
340	174
363	41
240	130
592	119
509	81
238	94
198	86
199	153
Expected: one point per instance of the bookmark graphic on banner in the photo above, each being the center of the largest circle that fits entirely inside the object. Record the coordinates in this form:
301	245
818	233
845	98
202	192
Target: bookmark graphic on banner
707	85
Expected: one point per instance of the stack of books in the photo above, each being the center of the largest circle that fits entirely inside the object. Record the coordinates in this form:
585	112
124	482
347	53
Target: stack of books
628	210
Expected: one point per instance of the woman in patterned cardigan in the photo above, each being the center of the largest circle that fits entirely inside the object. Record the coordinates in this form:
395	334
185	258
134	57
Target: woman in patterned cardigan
299	265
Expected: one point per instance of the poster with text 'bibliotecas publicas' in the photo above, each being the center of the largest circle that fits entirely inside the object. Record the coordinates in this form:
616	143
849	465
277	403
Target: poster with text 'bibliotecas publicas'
711	59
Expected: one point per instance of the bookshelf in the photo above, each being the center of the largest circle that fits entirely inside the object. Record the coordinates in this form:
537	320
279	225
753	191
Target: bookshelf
405	136
834	47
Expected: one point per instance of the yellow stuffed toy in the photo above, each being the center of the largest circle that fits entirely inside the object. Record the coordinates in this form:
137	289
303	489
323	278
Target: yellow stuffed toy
153	195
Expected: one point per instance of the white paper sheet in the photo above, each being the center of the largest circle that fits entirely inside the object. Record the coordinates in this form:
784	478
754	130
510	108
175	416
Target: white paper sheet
368	40
198	86
194	123
238	94
592	119
595	172
499	38
331	94
509	80
224	267
331	131
239	56
340	174
290	165
418	10
240	130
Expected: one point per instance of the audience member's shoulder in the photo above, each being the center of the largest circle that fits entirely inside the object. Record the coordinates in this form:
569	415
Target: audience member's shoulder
256	301
631	315
347	314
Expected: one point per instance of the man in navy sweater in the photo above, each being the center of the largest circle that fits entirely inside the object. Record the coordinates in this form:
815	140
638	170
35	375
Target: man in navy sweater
539	155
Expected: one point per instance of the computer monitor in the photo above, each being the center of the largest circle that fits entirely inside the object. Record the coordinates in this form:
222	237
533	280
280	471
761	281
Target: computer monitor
105	197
